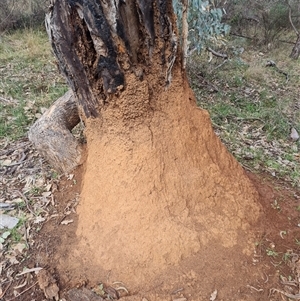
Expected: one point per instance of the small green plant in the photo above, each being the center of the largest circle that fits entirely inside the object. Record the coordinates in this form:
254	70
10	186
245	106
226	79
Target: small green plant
36	190
272	253
15	235
287	256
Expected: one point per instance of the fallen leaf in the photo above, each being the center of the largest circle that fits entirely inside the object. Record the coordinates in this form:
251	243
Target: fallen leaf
20	247
213	296
6	162
70	176
48	187
46	194
39	219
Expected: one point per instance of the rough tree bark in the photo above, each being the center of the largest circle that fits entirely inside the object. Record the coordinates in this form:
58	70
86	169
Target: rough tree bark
51	134
159	186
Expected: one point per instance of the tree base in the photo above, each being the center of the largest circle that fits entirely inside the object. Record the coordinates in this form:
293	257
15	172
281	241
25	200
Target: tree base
160	191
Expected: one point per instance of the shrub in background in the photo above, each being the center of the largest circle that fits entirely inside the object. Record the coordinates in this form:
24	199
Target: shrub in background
17	14
205	26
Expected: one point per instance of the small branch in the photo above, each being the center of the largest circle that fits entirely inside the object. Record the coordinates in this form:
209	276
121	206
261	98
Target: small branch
205	81
220	64
4	292
287	42
19	162
290	18
291	296
185	31
272	64
218	54
26	237
240	36
7	100
249	38
26	201
30	287
254	288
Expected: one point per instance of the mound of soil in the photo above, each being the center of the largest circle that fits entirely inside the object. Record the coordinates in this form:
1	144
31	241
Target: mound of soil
162	199
233	274
165	212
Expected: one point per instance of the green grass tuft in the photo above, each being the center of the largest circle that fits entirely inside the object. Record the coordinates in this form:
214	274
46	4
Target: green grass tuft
29	80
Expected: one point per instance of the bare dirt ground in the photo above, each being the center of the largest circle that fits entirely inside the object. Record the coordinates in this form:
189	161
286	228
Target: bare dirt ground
272	272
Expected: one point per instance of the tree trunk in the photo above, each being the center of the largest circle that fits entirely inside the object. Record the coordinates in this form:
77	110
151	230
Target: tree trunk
296	49
159	188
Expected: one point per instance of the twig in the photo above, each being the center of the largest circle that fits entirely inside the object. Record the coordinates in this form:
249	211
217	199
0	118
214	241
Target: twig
271	63
122	288
254	288
225	61
240	36
177	291
218	54
287	42
26	201
26	237
2	295
7	100
19	162
272	290
291	283
208	83
290	18
185	31
27	289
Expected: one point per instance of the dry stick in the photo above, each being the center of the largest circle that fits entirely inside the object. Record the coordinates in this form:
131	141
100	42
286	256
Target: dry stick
3	294
290	18
272	64
272	290
26	201
27	289
26	237
250	38
4	99
216	53
19	162
185	32
240	36
226	60
207	82
254	288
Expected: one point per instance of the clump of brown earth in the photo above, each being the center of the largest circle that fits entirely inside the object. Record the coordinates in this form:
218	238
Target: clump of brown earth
162	200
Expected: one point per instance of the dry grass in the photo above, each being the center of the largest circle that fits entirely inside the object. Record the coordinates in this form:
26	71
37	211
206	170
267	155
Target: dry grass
29	80
255	107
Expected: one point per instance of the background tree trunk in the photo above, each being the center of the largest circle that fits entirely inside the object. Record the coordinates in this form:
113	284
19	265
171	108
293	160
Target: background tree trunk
159	187
296	49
